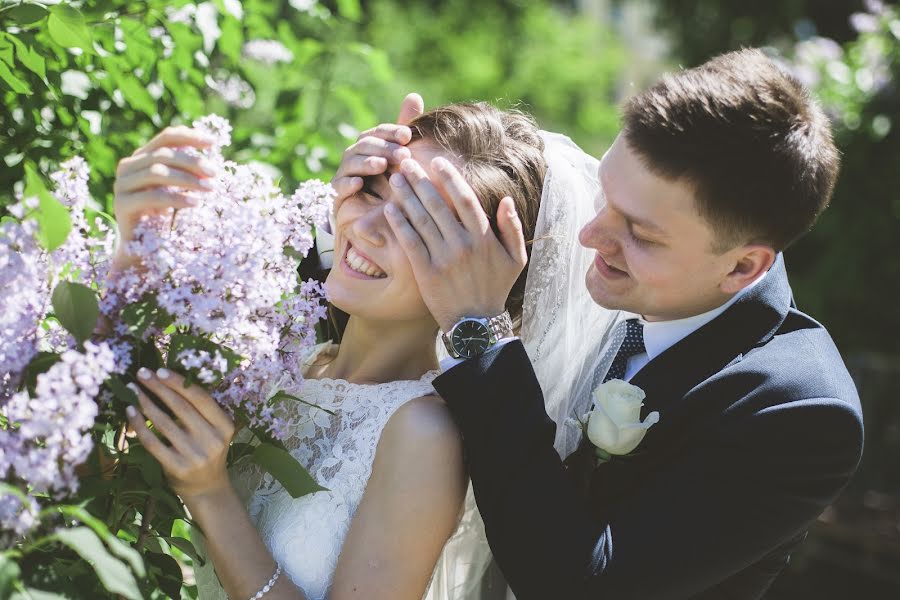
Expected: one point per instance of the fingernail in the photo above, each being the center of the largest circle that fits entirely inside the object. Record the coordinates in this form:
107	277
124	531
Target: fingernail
440	164
207	167
397	180
192	200
144	373
163	373
207	184
133	387
407	166
390	209
130	411
401	154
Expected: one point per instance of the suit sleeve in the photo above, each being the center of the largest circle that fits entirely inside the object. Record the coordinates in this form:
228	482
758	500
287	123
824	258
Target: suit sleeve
727	502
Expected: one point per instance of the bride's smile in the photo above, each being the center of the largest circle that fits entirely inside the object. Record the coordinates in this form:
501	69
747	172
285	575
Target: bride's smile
361	266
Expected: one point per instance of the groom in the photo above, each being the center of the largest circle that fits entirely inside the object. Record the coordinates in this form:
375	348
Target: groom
716	171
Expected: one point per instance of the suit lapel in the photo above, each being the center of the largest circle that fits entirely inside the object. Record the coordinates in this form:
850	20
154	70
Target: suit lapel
752	320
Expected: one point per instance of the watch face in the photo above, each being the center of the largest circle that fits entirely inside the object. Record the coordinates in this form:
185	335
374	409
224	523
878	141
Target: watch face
470	338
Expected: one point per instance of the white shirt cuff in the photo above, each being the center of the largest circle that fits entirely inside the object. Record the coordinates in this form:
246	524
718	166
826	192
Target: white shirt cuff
450	362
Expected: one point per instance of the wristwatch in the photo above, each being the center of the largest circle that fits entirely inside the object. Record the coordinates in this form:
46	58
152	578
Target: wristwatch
473	336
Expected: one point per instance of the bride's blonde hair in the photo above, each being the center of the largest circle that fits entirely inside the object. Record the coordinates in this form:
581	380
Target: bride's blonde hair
501	154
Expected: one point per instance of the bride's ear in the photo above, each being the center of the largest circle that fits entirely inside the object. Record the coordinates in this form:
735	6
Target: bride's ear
754	260
411	107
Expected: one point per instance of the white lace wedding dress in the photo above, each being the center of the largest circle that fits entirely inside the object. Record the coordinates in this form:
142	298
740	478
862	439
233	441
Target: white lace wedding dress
305	535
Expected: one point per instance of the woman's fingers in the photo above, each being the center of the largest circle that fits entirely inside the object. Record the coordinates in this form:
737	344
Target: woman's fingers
154	445
200	399
179	159
197	426
162	422
174	137
161	175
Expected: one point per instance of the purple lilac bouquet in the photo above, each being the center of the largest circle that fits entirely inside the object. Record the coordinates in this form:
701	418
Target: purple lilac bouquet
216	297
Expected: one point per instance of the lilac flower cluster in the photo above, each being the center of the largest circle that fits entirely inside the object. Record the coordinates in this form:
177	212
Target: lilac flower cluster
48	433
30	273
226	270
23	274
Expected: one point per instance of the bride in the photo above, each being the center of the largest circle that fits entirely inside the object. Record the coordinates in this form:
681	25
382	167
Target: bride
389	455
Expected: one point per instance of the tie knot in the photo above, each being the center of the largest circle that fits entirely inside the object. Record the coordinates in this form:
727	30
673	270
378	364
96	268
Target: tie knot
634	339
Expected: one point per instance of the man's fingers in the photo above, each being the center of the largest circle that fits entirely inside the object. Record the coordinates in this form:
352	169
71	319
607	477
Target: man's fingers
461	195
345	187
177	136
391	132
511	234
409	240
418	216
375	146
411	107
200	399
430	198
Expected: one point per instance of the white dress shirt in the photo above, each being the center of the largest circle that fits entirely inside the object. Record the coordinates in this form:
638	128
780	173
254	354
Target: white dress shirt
659	336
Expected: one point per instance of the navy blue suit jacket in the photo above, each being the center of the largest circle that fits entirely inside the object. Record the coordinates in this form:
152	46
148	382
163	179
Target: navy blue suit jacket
760	429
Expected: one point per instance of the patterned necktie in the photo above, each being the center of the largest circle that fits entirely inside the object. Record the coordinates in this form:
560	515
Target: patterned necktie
632	345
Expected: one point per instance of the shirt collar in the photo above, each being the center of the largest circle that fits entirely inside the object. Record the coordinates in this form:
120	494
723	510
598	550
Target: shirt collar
659	336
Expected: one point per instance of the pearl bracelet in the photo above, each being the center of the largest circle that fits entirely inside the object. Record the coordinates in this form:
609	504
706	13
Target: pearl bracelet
268	587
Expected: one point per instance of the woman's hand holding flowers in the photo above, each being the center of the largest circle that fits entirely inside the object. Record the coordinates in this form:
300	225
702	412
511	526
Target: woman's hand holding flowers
199	434
159	175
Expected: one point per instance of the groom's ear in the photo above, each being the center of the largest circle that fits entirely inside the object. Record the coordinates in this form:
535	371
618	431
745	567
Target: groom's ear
750	263
411	107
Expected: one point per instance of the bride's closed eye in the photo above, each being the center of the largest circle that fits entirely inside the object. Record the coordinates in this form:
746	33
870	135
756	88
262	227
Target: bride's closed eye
368	187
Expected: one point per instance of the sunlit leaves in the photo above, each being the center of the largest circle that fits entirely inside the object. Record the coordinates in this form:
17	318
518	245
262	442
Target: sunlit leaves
53	218
68	28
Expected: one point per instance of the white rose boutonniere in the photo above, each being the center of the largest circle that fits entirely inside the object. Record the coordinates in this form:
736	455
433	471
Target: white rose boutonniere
614	426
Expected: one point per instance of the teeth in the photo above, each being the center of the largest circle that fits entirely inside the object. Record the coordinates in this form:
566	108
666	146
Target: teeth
361	265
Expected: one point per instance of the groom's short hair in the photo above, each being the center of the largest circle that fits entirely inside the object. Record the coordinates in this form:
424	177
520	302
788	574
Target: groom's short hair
748	137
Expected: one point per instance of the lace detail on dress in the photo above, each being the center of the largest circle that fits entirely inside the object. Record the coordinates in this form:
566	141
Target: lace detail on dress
306	534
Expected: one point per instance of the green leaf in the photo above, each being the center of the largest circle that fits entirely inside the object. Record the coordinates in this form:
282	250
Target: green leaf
15	84
118	547
53	218
349	9
121	391
30	57
170	578
187	547
33	594
149	467
136	95
140	315
113	573
9	575
76	307
41	363
282	395
27	13
68	28
285	468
